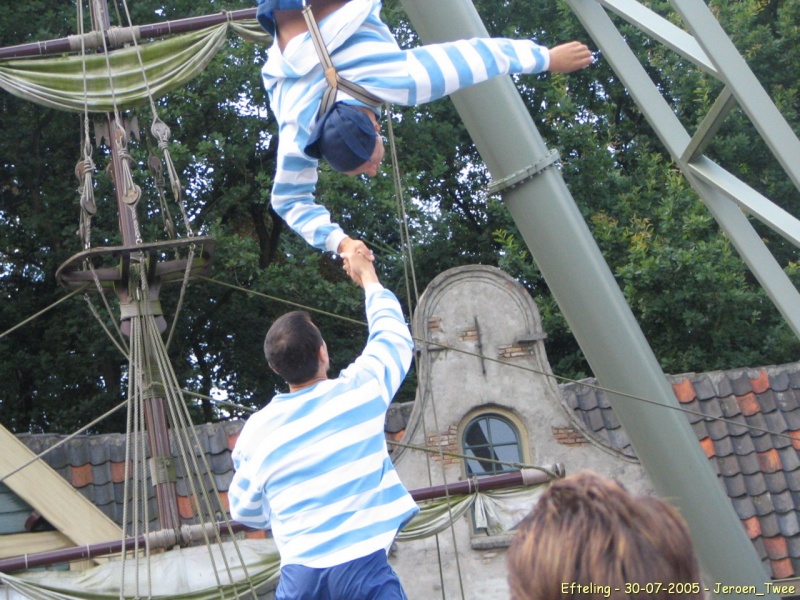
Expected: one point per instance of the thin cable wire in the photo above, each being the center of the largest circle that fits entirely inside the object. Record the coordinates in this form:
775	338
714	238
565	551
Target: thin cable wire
558	378
43	311
63	441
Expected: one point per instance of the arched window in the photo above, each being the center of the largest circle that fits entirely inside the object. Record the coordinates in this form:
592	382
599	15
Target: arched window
489	438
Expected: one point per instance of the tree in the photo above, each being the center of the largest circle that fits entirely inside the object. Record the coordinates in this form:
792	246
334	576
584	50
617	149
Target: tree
688	289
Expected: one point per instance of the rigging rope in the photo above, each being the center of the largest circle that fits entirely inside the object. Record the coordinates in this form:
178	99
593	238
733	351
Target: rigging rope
409	270
559	378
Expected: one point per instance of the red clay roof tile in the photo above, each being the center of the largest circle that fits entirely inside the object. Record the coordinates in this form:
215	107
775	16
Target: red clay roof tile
769	461
782	569
753	527
185	507
684	391
81	476
776	547
118	472
708	447
749	404
762	383
795	435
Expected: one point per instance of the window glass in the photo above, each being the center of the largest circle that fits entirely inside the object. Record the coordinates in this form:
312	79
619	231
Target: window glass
489	438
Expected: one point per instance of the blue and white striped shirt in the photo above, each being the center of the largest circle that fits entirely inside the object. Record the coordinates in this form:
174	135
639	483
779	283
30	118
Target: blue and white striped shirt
313	465
365	52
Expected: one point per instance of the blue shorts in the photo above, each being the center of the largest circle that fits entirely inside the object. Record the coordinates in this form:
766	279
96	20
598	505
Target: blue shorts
367	578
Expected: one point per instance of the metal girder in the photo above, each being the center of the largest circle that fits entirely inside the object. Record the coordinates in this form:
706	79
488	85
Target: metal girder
713	184
659	28
590	299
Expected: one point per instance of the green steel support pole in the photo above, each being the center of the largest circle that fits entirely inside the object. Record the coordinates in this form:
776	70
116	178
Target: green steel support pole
595	308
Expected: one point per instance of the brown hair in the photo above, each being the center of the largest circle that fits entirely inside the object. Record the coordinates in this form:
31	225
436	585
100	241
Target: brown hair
587	537
292	347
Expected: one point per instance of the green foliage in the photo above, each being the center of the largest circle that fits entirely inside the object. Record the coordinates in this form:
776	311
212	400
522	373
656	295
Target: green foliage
698	305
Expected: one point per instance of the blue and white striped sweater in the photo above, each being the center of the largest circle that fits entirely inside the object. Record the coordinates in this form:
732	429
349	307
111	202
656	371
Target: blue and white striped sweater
365	52
313	465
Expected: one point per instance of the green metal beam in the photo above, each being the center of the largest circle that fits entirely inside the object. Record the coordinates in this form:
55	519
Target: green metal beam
594	306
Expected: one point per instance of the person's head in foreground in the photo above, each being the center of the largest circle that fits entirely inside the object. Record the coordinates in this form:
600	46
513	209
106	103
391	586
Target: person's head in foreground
348	137
587	537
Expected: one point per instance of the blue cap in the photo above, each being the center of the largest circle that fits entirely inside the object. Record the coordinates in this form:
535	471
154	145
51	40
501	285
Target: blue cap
344	136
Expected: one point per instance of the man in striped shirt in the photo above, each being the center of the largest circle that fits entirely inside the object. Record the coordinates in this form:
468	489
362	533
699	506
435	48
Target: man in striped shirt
364	51
313	464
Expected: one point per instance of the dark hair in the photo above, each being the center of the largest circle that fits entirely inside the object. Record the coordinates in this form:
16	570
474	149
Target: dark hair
292	347
588	536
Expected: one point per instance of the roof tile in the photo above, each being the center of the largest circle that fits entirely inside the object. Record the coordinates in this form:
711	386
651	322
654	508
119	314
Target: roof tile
684	391
743	444
81	476
735	485
776	547
744	507
737	424
701	431
723	447
781	441
704	387
708	447
757	424
740	384
711	409
779	379
729	466
775	422
769	523
587	399
602	399
729	406
767	401
749	463
568	394
752	526
724	387
783	501
788	400
78	451
782	569
756	484
792	418
693	411
594	419
118	472
217	438
793	543
101	474
103	495
789	458
776	482
762	443
610	418
749	404
790	525
770	461
795	436
717	429
794	379
760	383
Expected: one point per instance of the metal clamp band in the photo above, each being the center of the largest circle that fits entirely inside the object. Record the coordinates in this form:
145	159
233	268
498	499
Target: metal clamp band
523	175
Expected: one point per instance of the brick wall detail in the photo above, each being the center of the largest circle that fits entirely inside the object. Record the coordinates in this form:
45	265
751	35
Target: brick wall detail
569	436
